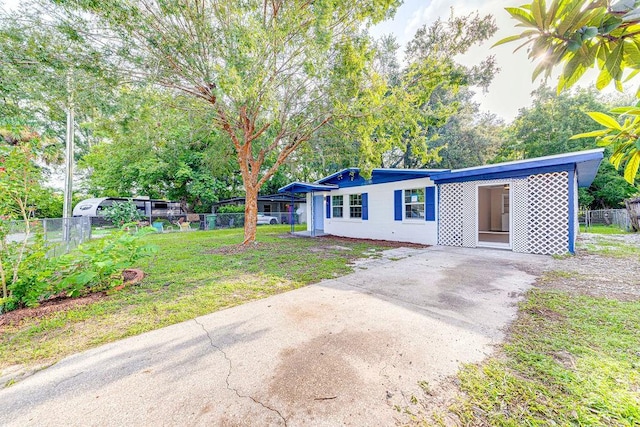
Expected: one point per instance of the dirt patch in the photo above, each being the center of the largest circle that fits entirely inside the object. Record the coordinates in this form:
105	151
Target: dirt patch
434	401
386	243
240	249
326	369
547	313
325	243
47	308
592	274
565	358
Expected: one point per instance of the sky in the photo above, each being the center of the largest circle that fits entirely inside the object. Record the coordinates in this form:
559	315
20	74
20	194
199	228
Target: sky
512	87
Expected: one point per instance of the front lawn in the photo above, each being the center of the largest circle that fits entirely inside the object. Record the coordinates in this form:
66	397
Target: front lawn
571	360
572	357
602	229
194	273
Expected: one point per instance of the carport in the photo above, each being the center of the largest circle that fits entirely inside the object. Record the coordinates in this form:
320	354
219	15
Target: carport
316	199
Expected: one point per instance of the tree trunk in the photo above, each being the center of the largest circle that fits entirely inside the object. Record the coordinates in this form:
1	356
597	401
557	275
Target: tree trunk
250	214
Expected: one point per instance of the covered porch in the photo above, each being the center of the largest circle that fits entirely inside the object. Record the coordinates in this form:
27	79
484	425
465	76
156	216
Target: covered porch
316	196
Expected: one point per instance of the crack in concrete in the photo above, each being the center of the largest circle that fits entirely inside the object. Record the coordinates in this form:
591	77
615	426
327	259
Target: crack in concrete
224	354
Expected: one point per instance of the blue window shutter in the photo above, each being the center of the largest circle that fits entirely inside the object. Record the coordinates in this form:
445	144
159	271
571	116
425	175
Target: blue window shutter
365	206
397	205
430	203
328	202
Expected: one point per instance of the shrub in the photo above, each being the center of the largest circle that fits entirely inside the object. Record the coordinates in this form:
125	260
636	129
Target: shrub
25	261
121	213
230	209
98	265
230	216
94	266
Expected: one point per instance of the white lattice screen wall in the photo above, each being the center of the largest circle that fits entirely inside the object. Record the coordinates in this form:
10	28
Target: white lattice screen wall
450	213
539	206
548	213
520	215
469	215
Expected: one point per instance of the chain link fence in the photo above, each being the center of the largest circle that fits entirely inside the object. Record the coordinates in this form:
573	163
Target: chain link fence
609	217
190	222
60	235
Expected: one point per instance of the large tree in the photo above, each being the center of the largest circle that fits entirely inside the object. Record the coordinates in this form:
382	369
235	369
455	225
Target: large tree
431	84
546	127
273	71
44	67
468	138
420	99
160	145
580	35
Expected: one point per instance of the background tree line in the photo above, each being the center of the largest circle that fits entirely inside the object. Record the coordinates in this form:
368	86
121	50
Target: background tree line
141	136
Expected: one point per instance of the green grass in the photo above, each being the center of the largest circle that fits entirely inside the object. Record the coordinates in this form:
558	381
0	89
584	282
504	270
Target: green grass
194	273
570	360
613	248
602	229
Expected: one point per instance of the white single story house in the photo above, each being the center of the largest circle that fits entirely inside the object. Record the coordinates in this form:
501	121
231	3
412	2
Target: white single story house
528	206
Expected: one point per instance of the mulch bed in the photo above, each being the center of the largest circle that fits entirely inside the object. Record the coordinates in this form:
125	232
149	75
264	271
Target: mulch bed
53	305
62	303
326	239
387	243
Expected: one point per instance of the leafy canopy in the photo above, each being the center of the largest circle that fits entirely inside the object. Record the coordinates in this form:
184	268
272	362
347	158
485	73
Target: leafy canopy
579	35
274	72
545	128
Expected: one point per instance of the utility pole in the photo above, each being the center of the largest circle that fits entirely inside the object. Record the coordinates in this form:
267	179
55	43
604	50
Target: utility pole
68	176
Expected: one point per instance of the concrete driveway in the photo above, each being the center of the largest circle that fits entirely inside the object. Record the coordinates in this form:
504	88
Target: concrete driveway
349	351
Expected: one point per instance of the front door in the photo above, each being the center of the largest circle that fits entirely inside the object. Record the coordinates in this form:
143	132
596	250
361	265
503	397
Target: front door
318	214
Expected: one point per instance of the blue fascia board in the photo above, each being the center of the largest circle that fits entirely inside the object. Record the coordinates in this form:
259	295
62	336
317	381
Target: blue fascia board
418	173
585	162
507	174
331	178
351	177
305	187
587	171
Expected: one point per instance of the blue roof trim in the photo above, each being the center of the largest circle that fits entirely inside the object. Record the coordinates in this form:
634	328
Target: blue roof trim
351	177
305	187
507	174
585	163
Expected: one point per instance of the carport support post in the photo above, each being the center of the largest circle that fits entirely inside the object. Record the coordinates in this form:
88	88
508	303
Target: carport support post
293	198
313	218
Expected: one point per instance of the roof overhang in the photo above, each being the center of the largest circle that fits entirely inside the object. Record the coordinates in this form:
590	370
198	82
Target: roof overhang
585	164
306	187
351	177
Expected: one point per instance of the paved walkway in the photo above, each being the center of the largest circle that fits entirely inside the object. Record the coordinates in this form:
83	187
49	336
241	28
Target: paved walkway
349	351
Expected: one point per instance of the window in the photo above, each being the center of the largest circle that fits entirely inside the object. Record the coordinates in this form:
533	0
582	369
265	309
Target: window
355	205
414	203
337	203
